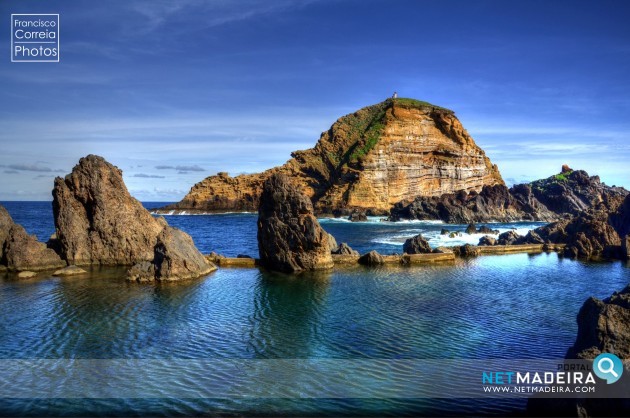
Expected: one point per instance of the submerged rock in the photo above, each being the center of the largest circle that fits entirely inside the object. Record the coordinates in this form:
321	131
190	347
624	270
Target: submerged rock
26	275
98	222
290	238
372	258
483	229
417	245
69	271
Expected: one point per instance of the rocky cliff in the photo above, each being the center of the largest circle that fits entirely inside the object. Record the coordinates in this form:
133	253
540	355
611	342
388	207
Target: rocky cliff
369	160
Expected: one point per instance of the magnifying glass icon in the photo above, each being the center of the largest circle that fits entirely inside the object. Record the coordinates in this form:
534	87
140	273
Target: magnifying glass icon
607	370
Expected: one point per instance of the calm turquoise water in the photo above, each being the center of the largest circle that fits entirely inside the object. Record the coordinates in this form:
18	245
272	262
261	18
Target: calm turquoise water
514	306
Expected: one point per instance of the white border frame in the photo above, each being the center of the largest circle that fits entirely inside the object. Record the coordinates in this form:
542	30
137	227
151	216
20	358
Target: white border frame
58	35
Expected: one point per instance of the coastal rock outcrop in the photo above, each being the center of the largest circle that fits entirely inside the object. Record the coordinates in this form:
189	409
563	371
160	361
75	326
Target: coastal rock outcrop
290	238
98	222
20	251
565	194
417	245
367	161
603	326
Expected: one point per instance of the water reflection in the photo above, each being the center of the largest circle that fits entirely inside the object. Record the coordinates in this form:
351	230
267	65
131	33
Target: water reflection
287	317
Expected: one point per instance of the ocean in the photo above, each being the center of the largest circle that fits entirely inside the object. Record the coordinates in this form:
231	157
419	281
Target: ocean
517	306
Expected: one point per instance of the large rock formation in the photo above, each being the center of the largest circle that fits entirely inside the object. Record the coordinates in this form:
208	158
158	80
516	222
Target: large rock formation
20	251
367	161
417	245
568	193
290	238
603	327
98	222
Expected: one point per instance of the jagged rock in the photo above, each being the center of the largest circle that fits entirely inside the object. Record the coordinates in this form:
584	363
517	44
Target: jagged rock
566	169
69	271
372	258
96	219
417	245
492	203
483	229
572	192
532	237
368	161
358	217
26	274
603	326
508	238
6	222
290	238
487	240
442	250
344	249
444	231
468	250
23	252
567	193
454	234
471	229
98	222
625	247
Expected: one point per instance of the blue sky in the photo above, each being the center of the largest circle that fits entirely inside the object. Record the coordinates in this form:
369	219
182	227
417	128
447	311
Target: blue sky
174	91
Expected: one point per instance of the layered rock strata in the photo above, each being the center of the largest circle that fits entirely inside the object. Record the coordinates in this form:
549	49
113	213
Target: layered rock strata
366	162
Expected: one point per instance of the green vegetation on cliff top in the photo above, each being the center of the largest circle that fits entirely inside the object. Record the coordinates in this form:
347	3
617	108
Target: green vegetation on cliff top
406	102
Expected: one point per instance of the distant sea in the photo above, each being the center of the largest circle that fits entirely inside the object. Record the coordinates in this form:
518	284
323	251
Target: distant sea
516	306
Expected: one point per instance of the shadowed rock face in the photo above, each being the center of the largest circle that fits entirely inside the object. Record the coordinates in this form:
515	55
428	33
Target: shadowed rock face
98	222
290	238
367	161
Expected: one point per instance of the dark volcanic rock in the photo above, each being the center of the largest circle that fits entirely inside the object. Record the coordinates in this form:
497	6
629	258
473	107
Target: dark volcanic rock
603	326
572	192
290	238
345	249
532	237
98	222
485	230
444	231
358	217
471	229
508	238
487	240
493	203
417	245
567	193
372	258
